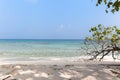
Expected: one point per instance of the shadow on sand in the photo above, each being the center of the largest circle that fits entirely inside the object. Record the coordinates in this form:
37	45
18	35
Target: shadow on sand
55	72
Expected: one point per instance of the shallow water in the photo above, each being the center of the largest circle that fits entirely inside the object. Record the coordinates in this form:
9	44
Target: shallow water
41	48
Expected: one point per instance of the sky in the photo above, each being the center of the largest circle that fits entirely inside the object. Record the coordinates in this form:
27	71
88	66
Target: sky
52	19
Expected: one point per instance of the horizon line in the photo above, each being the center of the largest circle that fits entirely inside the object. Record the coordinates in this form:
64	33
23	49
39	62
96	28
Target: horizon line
41	39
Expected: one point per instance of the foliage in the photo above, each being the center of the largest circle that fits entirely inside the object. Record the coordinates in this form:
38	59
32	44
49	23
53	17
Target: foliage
104	41
113	5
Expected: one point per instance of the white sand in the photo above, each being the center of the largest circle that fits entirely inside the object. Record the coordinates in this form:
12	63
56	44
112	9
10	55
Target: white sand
54	61
77	68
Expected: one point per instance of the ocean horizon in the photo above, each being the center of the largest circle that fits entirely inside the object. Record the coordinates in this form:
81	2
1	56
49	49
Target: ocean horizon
41	47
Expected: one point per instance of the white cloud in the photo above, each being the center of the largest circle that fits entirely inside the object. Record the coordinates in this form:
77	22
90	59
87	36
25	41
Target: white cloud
61	26
32	1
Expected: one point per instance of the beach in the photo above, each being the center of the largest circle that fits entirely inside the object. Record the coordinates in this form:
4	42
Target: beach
57	69
59	40
53	60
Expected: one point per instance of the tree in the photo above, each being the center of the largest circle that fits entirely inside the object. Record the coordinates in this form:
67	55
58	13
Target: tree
113	5
104	41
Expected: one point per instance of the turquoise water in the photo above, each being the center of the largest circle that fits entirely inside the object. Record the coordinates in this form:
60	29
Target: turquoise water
40	48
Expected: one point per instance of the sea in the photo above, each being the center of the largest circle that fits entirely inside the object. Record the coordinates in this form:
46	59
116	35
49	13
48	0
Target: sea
41	47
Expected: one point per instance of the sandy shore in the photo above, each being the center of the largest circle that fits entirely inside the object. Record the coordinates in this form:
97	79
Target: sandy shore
58	69
54	60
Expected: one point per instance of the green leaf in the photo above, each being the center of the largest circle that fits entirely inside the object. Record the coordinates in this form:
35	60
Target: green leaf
99	1
93	29
106	11
99	25
117	31
105	1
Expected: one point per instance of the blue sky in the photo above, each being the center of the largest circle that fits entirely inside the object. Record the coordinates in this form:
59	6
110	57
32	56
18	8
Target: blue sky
51	19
